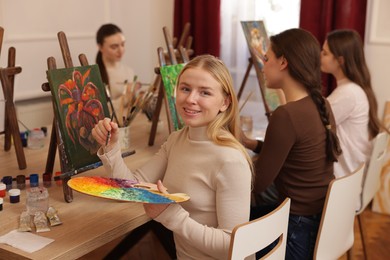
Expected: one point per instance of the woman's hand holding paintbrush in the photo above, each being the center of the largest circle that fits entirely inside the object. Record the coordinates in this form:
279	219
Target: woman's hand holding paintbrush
106	133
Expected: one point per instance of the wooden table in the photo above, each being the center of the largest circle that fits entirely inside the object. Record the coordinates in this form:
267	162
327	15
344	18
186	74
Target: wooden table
88	222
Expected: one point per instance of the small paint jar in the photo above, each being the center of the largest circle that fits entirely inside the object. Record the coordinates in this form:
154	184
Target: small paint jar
21	182
7	180
37	200
2	190
14	195
46	180
1	204
35	139
23	137
34	180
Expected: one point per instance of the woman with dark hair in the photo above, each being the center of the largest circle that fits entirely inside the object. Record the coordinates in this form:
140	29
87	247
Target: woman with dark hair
115	75
300	143
353	101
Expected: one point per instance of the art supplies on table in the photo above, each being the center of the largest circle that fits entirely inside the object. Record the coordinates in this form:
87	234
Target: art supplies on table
133	100
124	190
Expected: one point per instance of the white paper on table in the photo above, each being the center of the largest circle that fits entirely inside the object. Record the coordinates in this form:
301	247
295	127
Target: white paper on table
25	241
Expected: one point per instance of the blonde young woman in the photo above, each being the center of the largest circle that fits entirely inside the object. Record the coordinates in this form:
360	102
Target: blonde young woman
204	160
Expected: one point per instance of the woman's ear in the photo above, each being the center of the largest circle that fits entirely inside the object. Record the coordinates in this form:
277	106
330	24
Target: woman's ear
100	47
226	103
283	63
341	60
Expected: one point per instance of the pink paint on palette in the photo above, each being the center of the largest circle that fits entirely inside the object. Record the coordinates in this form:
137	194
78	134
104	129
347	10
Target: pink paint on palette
124	190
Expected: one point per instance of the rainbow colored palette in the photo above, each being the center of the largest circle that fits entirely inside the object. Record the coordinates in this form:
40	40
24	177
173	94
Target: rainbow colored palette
124	190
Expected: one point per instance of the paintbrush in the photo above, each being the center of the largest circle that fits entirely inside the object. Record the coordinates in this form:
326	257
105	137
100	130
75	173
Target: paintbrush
246	100
133	84
108	95
133	110
109	132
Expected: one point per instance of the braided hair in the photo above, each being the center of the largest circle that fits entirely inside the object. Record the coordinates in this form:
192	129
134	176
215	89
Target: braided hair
302	51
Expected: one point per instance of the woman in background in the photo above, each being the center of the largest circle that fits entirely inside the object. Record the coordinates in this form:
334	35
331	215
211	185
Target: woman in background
118	77
353	101
300	143
203	159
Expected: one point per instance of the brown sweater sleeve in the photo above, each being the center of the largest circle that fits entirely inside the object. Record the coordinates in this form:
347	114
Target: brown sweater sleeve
280	137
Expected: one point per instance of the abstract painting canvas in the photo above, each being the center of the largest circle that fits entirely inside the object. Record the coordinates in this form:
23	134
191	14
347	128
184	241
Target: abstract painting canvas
258	43
169	76
79	103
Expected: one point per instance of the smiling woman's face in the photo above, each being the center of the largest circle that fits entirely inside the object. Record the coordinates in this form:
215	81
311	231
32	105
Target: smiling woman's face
199	97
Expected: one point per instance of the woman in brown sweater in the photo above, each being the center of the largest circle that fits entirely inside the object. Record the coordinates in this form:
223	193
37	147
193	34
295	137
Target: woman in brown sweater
300	144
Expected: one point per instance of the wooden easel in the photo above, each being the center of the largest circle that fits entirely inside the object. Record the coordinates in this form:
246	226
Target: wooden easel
173	54
260	77
55	138
11	127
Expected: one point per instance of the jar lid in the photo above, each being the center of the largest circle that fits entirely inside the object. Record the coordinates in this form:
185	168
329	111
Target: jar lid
2	186
14	192
1	200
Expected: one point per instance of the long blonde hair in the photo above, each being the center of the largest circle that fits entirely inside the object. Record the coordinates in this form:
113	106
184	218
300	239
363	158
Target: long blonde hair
224	129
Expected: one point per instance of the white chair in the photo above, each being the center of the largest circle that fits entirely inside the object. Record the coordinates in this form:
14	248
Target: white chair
335	234
252	236
371	179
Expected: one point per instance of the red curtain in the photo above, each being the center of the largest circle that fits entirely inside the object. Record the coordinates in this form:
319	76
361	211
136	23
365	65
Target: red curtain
204	16
322	16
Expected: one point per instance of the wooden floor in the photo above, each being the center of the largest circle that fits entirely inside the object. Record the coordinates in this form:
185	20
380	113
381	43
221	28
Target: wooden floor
377	225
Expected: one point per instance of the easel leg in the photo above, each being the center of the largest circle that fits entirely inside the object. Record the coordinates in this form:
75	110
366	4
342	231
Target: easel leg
248	70
156	114
7	133
12	120
68	194
18	144
52	151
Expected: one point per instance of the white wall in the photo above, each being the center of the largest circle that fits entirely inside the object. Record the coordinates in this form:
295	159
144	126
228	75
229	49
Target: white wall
377	49
32	27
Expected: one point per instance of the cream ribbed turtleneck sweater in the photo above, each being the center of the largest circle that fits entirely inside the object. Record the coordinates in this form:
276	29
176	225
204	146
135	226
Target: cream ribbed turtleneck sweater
217	179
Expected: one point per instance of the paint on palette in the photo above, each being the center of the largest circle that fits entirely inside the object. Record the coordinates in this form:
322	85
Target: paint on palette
123	190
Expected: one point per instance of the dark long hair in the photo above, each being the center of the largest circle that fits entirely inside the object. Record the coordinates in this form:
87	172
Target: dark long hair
302	52
104	31
348	45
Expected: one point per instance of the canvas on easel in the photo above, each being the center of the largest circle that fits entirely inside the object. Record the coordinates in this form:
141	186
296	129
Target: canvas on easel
381	202
169	76
258	43
75	95
181	52
80	102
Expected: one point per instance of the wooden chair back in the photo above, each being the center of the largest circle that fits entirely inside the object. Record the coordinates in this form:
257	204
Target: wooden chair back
250	237
336	232
371	179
